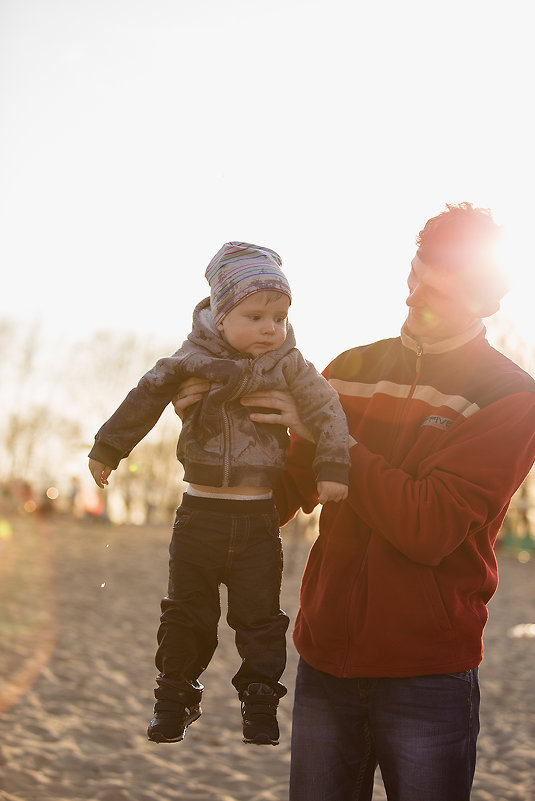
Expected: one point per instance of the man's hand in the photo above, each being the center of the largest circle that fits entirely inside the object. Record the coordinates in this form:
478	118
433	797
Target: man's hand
100	472
277	399
332	491
190	392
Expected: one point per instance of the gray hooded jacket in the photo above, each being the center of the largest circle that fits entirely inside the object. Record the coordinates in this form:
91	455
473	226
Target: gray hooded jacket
219	445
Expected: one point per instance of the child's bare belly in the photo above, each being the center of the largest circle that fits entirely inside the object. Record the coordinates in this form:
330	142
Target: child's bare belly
252	491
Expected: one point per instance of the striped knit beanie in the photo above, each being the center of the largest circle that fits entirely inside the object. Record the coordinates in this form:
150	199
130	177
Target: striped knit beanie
239	269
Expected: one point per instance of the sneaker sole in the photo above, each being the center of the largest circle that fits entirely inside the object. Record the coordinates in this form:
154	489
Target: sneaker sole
260	739
157	737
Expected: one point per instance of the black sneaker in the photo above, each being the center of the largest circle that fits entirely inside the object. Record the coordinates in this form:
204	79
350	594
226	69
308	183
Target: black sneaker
175	711
259	714
171	720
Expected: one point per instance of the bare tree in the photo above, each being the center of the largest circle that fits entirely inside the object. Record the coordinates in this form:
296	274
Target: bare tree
58	395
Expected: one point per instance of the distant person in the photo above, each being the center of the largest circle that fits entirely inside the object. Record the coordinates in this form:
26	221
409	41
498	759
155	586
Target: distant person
74	496
226	529
395	591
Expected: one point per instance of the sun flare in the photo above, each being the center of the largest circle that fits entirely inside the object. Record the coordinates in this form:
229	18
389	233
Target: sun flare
518	262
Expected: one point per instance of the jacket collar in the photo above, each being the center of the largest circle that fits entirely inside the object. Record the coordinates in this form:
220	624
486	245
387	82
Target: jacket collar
443	345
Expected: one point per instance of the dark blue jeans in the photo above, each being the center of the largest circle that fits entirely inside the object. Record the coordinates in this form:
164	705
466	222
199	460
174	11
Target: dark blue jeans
421	732
236	543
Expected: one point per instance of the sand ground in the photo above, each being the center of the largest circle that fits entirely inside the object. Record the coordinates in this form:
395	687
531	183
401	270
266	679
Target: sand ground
78	617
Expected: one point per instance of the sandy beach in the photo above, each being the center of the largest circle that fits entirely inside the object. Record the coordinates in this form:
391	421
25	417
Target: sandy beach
79	611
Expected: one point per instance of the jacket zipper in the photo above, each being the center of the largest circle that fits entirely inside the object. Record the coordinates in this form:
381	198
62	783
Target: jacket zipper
412	390
226	426
419	354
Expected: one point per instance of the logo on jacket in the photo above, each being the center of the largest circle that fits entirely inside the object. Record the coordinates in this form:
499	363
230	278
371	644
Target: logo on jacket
438	422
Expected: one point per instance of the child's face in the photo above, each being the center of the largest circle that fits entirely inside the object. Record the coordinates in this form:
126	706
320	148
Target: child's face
257	324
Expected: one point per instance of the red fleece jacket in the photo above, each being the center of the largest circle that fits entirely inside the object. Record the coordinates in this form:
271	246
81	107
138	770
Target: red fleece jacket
398	579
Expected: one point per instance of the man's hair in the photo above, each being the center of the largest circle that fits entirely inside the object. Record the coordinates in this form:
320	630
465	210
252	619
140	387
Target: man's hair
463	231
464	240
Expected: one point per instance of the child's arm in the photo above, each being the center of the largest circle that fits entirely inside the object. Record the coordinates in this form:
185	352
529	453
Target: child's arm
320	410
100	472
137	414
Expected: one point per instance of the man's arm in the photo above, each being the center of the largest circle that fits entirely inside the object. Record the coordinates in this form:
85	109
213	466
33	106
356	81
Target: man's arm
296	486
459	489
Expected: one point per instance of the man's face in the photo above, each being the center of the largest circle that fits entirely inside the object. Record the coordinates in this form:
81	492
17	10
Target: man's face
436	308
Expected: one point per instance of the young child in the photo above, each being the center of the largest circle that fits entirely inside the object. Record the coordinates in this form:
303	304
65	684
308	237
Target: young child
226	529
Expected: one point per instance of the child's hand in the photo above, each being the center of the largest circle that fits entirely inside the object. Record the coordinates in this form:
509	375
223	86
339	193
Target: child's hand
100	472
332	491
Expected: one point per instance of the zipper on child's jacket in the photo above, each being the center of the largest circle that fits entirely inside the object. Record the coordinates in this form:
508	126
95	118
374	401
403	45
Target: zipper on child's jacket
226	425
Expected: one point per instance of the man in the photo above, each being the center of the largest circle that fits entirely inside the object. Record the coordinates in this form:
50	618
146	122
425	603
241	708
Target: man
394	594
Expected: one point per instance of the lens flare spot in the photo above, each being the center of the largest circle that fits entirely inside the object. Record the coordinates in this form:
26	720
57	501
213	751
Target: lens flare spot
6	530
522	630
52	493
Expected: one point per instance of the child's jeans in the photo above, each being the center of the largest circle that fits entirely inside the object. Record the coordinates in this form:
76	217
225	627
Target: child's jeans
236	543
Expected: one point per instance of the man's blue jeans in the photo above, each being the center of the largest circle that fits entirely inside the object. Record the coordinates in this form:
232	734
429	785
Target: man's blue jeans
421	731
